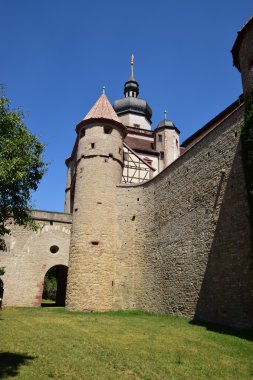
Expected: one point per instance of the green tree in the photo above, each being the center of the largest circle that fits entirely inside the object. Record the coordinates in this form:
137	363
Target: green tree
21	169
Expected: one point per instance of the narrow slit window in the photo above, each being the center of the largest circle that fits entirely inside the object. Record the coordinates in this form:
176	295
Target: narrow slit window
251	64
82	133
107	130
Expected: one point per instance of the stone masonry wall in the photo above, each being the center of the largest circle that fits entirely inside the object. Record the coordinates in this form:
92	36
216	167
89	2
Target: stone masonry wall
94	240
28	257
185	237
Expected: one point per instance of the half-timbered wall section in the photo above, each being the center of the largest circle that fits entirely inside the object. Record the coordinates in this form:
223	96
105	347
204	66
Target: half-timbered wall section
135	170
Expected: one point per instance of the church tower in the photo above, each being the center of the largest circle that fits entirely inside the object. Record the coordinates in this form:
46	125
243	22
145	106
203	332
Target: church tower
94	244
133	111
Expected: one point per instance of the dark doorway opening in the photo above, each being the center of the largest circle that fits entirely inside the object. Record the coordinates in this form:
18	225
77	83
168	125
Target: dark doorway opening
55	283
1	293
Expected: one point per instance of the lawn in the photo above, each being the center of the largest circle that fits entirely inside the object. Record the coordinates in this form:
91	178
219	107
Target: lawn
51	343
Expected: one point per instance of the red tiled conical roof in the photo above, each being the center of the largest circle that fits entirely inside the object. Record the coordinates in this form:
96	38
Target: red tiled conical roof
102	109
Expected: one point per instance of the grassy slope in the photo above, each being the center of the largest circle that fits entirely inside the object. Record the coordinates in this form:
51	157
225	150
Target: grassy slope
52	343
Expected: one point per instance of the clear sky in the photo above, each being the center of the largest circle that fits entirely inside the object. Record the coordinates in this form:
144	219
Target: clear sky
57	54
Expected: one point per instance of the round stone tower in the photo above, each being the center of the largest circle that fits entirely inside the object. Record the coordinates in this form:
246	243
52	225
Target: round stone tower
242	52
94	241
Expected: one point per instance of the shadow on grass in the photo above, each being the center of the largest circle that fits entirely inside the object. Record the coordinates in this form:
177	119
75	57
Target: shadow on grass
10	363
243	334
49	304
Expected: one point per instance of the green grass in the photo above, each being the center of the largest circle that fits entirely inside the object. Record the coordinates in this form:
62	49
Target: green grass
51	343
47	302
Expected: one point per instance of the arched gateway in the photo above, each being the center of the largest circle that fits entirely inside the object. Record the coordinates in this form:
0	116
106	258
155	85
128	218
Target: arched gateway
55	283
31	254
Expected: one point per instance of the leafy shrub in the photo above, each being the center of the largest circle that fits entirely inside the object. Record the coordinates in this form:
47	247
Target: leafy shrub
50	285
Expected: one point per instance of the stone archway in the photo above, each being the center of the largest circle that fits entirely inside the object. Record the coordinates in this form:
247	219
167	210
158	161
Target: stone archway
55	283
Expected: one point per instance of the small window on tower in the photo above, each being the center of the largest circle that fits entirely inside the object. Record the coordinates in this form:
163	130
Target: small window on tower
137	126
160	138
92	145
162	155
251	64
82	133
108	130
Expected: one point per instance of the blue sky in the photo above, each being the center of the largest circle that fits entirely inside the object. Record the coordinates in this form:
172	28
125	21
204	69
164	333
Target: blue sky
57	54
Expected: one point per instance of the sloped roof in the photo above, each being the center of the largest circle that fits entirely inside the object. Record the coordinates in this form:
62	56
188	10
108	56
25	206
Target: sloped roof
140	145
102	109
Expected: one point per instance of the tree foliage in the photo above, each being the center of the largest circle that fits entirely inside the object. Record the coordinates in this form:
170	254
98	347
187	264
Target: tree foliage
21	169
50	284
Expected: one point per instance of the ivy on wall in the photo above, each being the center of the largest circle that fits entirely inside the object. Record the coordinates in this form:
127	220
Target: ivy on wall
247	153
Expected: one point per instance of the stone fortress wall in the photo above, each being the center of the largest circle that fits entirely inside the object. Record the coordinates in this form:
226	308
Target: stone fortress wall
185	235
28	257
183	244
185	239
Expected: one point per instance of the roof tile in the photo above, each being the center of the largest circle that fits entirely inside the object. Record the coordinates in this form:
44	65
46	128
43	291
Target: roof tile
102	109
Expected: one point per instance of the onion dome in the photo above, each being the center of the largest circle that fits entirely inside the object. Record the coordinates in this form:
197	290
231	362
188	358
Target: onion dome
131	103
166	123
